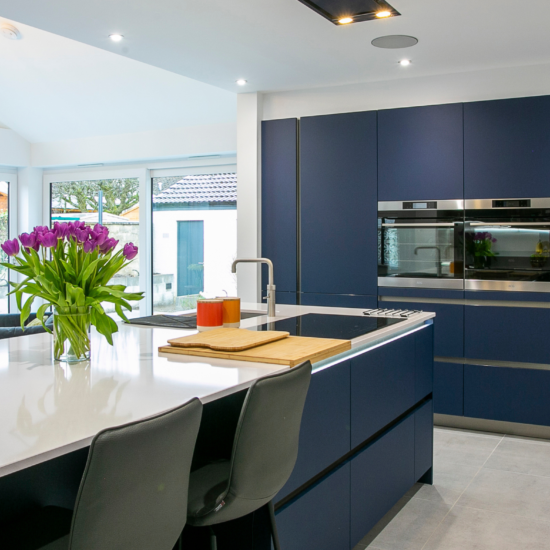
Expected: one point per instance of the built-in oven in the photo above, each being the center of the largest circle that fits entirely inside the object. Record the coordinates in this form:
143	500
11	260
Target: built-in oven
507	244
421	244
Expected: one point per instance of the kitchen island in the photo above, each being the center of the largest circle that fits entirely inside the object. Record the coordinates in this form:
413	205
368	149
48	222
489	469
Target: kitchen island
366	434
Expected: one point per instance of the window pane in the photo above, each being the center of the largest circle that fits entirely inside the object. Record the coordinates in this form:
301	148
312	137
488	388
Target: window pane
194	239
4	235
115	204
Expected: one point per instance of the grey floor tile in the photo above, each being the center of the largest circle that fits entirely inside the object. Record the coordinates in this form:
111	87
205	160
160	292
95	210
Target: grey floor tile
510	493
469	529
518	454
450	480
412	526
459	447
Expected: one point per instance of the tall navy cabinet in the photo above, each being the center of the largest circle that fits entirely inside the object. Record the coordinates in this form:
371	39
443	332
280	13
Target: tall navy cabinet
420	153
338	209
507	148
279	206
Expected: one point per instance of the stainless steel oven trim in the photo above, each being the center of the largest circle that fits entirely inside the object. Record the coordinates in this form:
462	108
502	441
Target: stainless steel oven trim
384	206
421	224
487	204
414	282
509	286
506	224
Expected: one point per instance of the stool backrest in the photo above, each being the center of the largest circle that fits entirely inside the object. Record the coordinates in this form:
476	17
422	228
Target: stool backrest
133	494
266	440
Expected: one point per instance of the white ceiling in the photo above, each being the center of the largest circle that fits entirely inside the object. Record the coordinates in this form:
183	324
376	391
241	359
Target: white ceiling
283	45
53	88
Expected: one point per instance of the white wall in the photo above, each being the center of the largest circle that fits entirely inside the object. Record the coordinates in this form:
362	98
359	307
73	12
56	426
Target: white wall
142	146
249	114
14	150
497	83
30	195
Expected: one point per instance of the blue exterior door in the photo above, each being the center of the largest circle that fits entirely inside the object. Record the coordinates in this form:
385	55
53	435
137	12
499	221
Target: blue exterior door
190	257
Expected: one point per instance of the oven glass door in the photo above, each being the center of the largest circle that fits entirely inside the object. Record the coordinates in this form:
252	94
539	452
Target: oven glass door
425	250
507	250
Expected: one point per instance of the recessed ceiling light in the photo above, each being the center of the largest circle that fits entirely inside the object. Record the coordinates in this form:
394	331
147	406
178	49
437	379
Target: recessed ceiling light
116	37
241	82
345	20
405	62
382	14
10	32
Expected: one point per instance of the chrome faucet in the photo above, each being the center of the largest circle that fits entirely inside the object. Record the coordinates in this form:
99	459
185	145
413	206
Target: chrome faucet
438	250
270	286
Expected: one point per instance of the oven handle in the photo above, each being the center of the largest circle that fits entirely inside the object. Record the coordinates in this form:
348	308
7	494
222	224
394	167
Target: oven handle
418	225
489	224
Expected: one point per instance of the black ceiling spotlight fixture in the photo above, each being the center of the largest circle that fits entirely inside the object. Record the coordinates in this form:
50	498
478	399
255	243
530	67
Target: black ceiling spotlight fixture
344	12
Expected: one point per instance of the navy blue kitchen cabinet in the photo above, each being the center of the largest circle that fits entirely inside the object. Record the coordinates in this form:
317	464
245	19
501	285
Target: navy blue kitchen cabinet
420	153
320	517
380	475
338	204
338	300
279	202
499	333
283	297
448	389
508	394
507	148
423	362
325	431
449	320
423	439
382	387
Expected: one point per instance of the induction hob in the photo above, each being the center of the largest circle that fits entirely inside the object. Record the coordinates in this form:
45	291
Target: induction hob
344	327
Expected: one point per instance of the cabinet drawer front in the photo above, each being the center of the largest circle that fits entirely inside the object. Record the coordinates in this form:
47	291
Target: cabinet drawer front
448	325
325	430
512	395
380	475
320	517
382	387
507	334
448	388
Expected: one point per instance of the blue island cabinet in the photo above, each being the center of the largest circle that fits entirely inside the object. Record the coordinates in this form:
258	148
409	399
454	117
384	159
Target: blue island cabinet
420	153
338	209
279	205
366	438
507	148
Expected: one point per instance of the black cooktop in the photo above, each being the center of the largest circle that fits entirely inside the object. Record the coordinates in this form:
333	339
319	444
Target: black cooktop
345	327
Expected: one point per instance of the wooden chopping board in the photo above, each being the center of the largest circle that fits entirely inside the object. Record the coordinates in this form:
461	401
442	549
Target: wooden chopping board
289	351
228	339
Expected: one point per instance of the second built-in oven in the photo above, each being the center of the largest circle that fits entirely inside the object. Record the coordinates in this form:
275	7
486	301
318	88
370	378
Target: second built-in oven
507	244
421	244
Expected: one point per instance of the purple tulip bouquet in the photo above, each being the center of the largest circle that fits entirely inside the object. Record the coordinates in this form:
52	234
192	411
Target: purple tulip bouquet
73	281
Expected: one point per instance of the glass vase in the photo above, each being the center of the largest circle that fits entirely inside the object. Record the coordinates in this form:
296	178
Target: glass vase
71	334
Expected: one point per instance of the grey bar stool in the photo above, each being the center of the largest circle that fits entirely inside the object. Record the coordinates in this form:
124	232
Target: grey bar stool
263	457
133	494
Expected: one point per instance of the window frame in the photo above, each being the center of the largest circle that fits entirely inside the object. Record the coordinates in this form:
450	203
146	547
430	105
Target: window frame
11	178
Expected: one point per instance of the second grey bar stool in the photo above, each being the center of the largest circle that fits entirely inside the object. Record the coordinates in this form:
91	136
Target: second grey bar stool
263	457
133	494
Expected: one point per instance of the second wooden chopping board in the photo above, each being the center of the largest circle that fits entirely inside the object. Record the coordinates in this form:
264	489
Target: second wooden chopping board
289	351
228	339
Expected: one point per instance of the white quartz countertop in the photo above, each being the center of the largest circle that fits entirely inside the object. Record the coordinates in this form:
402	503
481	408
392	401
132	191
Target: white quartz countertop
48	409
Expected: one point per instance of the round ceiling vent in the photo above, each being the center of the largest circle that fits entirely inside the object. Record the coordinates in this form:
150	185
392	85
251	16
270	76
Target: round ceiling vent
9	31
395	41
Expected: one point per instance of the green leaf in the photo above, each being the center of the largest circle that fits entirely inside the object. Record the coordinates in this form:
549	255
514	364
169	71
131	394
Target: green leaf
26	311
40	315
104	325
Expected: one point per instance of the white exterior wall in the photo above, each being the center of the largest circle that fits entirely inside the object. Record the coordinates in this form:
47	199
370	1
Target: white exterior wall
220	246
